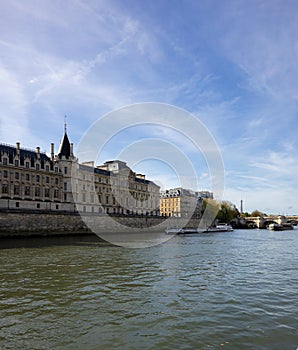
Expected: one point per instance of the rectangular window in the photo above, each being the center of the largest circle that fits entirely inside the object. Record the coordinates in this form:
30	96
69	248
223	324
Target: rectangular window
5	174
17	176
37	166
47	168
92	198
56	169
47	180
65	186
37	191
16	162
65	170
37	178
56	181
107	199
4	188
56	193
4	161
47	192
65	197
27	190
16	190
27	165
17	204
27	177
84	197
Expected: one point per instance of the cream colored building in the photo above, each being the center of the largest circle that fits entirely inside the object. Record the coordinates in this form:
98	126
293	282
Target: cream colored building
30	179
114	188
180	202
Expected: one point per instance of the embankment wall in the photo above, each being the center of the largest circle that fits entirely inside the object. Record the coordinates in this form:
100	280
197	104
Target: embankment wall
42	223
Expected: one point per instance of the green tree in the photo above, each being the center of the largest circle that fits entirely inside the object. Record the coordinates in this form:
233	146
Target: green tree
227	212
257	213
224	211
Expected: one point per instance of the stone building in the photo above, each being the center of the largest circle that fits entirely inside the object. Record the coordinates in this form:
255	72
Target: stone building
184	203
30	179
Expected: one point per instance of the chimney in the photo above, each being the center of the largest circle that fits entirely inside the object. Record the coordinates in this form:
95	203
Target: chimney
18	148
38	152
52	151
71	149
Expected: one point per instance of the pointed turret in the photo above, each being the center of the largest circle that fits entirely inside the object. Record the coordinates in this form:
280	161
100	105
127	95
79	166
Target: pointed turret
64	149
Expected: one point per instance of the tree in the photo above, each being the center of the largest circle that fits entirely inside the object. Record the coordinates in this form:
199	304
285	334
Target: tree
227	212
224	211
257	213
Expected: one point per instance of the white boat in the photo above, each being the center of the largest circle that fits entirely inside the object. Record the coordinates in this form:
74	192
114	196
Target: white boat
220	228
173	231
179	231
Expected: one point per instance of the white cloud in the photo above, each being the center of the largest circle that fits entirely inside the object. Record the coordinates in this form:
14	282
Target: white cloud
13	113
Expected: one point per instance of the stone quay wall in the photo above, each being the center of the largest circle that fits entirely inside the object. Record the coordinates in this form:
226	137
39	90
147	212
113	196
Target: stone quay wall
43	223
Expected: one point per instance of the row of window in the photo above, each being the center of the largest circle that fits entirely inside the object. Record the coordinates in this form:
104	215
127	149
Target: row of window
27	165
17	204
17	176
28	191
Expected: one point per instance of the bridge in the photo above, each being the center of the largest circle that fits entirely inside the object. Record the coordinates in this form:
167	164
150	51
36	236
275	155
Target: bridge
264	221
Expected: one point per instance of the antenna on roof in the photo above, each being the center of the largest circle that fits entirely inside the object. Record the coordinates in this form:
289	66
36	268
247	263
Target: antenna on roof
65	125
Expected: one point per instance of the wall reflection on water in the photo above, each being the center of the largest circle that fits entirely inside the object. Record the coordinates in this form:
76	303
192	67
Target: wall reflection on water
229	290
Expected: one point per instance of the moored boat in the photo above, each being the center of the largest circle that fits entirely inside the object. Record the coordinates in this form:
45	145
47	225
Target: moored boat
173	230
180	231
220	228
280	227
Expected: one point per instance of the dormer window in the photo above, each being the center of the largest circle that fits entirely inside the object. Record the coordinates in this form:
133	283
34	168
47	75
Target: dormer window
16	162
47	168
27	164
37	166
4	161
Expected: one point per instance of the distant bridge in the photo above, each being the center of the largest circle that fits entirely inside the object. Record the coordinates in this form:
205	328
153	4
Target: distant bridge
264	221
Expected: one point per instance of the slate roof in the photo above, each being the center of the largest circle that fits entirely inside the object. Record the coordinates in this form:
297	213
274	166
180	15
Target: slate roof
64	149
24	153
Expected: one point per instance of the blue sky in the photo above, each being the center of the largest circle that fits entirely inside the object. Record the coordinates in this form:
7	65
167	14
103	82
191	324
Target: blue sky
232	64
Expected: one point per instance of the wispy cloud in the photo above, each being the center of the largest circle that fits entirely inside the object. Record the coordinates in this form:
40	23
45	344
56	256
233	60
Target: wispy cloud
233	66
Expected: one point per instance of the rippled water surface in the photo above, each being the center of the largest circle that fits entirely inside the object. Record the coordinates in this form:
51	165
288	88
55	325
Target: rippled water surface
233	290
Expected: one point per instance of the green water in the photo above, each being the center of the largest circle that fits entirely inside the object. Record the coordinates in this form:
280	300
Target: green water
234	290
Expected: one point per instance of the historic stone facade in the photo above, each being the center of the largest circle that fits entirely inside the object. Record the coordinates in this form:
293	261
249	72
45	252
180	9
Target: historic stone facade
32	180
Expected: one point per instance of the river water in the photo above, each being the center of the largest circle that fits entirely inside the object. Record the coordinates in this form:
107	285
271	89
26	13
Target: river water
235	290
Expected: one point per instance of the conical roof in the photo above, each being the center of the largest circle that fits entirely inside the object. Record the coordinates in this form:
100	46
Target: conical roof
64	149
